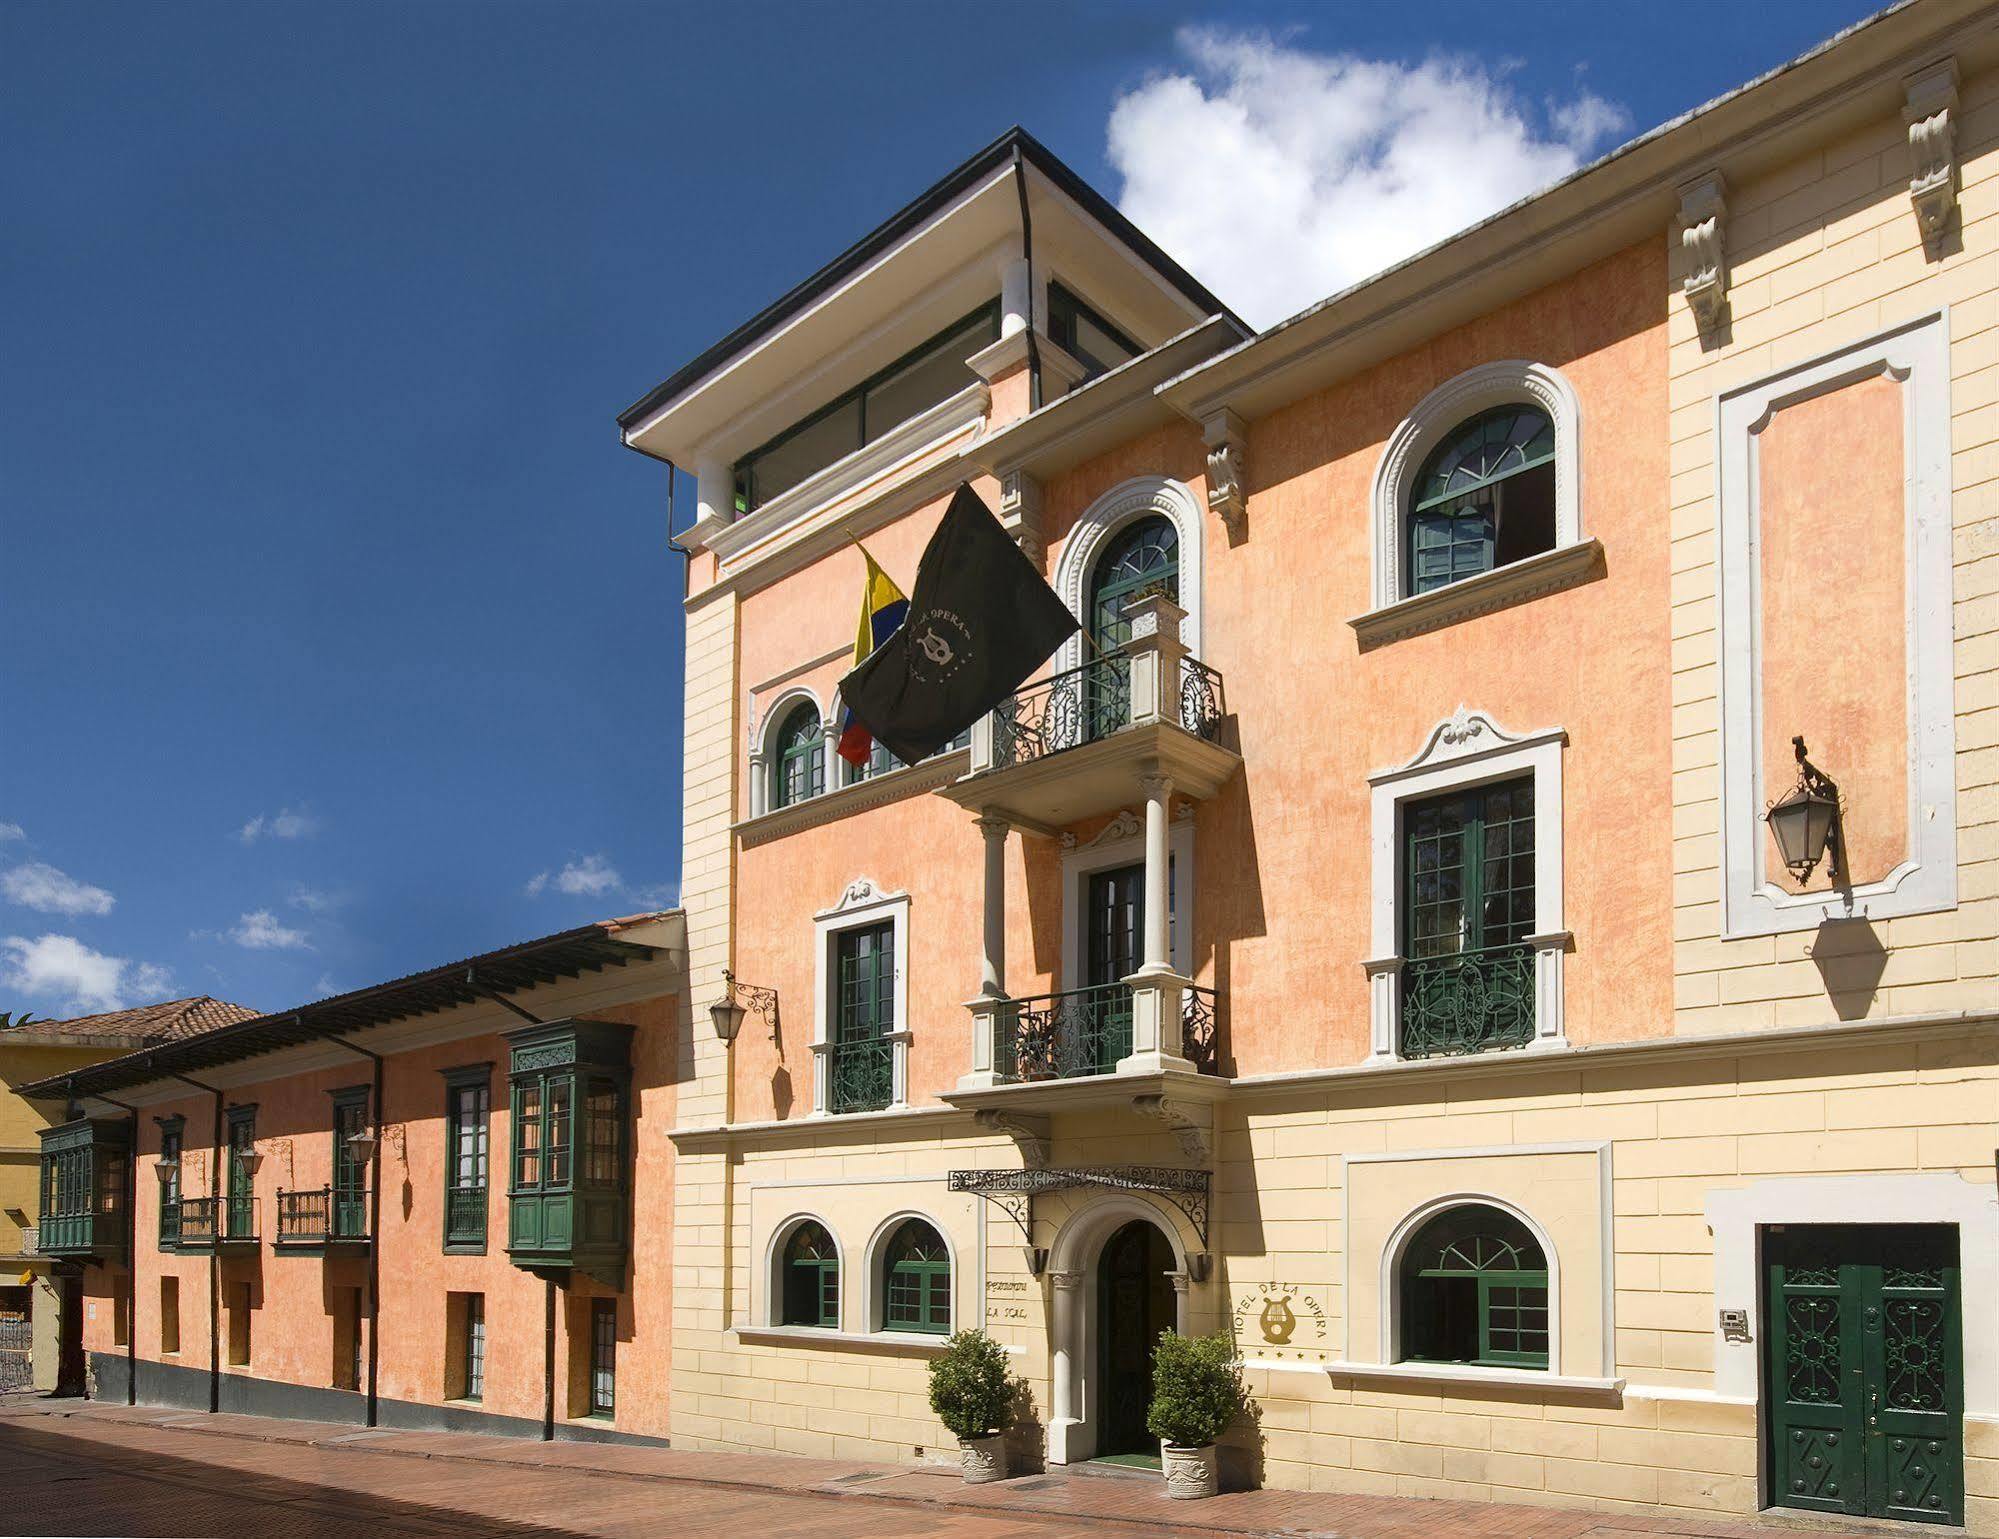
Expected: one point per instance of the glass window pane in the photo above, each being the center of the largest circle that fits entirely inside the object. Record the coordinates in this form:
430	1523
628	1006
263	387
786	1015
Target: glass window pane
806	452
558	1131
937	374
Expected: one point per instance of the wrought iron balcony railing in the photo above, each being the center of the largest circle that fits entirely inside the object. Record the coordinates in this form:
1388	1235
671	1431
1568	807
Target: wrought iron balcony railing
861	1076
1468	1002
1082	1032
465	1215
1086	704
207	1220
322	1217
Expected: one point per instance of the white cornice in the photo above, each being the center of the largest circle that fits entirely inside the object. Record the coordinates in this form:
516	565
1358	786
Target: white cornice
894	786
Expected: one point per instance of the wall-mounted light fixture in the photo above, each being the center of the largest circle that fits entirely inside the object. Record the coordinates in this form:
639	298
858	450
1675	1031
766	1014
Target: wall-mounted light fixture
1806	824
737	999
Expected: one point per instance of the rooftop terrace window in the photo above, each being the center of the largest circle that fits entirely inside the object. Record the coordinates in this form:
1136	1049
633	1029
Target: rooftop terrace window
914	383
1085	335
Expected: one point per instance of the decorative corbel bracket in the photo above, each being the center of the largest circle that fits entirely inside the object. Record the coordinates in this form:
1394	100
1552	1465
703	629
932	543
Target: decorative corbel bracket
1031	1134
1930	109
1228	496
1190	1125
1703	222
1021	513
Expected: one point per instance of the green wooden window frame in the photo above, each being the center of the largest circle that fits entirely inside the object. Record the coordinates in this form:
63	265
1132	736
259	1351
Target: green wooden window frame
603	1357
798	758
1482	1258
173	1134
347	1218
569	1188
862	1073
1459	507
809	1278
241	1206
473	1369
859	416
1144	554
916	1280
1070	323
468	1176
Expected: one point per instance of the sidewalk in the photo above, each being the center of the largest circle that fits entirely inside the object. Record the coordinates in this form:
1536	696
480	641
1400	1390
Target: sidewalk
1122	1498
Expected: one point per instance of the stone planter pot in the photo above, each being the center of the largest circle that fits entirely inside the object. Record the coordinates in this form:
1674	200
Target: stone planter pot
1190	1472
985	1458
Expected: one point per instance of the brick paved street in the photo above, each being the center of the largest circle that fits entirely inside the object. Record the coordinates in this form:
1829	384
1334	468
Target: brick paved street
77	1469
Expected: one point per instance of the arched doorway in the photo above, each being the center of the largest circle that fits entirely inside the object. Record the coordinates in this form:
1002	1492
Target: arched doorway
1135	1302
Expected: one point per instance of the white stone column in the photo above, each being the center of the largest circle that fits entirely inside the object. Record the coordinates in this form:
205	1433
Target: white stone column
1384	1006
989	1005
1067	1440
1158	993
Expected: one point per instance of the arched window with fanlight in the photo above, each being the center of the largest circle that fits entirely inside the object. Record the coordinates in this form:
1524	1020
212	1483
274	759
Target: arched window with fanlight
916	1280
1142	555
809	1278
1474	1289
798	757
1484	498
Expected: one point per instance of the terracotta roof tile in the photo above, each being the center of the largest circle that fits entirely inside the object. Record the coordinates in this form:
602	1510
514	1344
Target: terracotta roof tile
170	1021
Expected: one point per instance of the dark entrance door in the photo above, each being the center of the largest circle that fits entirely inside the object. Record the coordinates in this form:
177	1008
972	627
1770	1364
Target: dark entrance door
1134	1304
1864	1370
69	1335
1114	941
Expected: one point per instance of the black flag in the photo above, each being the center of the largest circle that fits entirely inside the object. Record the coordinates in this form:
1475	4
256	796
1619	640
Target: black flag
980	621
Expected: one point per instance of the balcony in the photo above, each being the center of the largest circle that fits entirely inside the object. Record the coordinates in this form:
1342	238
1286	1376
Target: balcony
465	1218
1468	1001
1078	743
206	1221
1083	1032
86	1165
861	1075
317	1220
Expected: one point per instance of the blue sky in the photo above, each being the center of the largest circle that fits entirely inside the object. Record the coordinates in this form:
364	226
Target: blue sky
342	637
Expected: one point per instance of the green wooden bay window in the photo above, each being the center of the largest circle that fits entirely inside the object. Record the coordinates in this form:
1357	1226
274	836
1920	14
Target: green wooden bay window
86	1172
809	1278
569	1183
1468	908
1475	1290
916	1280
467	1124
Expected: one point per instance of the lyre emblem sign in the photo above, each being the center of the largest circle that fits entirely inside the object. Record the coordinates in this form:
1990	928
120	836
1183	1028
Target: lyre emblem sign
1277	1320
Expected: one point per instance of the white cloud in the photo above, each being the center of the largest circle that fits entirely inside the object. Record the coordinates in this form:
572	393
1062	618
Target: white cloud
1280	175
326	987
61	967
11	831
312	899
590	877
49	891
260	931
287	823
535	884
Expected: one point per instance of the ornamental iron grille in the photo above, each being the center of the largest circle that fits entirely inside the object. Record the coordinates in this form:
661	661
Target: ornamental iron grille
1469	906
1475	1290
916	1278
468	1123
861	1076
1013	1191
1088	703
1864	1355
811	1278
1079	1033
1484	498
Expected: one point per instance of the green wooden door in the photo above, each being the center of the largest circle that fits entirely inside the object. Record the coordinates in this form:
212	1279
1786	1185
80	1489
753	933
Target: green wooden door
1864	1370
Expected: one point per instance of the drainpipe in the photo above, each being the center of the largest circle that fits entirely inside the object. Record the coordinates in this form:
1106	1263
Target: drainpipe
374	1231
1027	256
214	1254
548	1362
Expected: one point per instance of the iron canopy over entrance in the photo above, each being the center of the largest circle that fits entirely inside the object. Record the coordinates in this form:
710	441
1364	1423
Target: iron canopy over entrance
1014	1191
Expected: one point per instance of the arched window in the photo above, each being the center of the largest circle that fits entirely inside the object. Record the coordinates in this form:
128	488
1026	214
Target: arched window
916	1280
809	1277
880	762
1474	1288
798	758
1140	556
1484	498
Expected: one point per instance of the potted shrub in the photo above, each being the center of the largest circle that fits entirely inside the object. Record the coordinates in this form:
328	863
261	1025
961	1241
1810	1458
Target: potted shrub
973	1395
1197	1391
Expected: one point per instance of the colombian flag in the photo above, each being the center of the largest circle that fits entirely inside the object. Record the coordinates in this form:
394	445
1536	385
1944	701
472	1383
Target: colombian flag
883	608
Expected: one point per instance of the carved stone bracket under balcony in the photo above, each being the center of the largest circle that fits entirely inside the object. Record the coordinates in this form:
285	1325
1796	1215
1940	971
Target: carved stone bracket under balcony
1020	513
1228	493
1192	1124
1930	110
1030	1133
1703	227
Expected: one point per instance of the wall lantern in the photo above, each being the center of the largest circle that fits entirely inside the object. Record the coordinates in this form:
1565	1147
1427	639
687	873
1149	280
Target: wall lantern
1806	824
362	1145
166	1167
737	999
250	1160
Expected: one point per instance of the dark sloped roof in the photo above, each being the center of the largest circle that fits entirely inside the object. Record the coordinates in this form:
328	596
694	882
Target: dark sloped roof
167	1021
568	954
899	224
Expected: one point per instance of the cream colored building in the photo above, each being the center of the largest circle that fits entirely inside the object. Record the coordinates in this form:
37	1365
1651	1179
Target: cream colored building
1375	948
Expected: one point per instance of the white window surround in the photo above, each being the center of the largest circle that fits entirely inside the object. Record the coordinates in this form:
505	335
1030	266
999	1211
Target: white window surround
1468	749
862	903
1737	1218
772	1311
1435	417
874	1290
763	749
1122	843
1126	503
1916	354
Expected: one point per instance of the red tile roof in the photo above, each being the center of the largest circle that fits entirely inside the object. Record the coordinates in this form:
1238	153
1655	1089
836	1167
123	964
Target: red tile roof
171	1021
